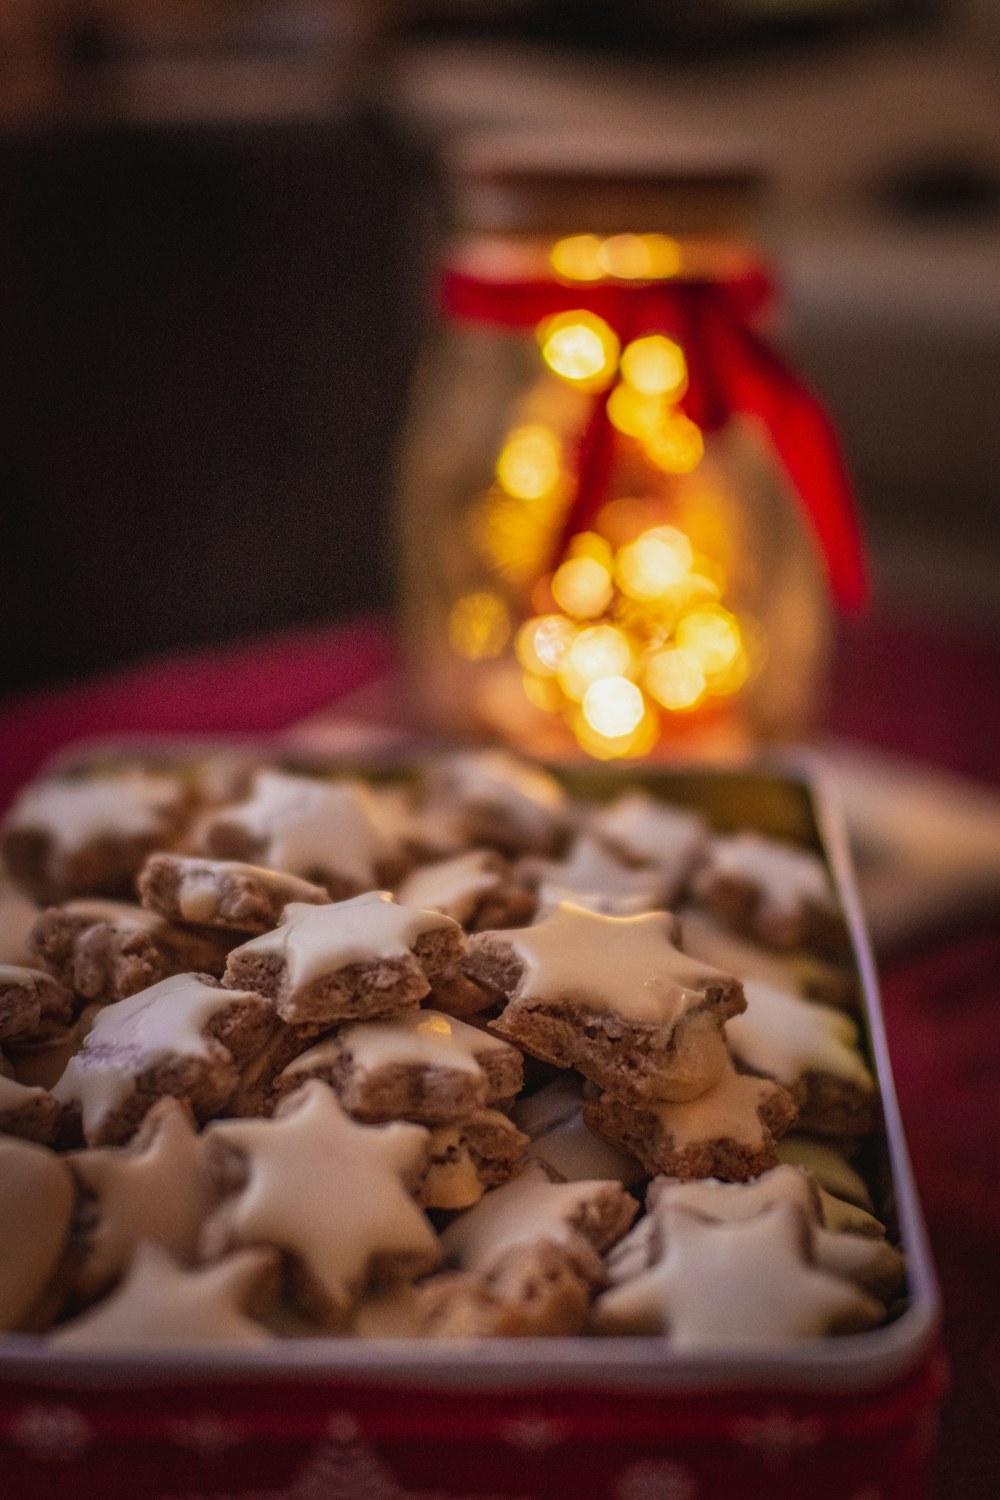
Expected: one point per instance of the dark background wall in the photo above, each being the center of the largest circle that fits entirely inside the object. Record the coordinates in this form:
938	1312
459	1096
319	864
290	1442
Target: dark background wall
205	341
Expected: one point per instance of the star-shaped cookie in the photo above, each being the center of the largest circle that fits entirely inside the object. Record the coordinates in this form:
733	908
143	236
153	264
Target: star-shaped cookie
613	997
745	1284
156	1188
334	1196
161	1303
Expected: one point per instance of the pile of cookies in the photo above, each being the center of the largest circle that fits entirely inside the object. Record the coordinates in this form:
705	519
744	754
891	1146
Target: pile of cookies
449	1055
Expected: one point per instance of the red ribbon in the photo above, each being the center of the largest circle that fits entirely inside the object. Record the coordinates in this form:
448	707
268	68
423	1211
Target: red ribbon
730	369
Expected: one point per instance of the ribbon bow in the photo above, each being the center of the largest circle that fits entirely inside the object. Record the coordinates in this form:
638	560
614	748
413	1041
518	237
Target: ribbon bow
731	369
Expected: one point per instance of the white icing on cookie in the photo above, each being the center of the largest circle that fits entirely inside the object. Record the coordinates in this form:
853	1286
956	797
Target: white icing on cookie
647	831
729	1201
15	1096
550	1106
528	1211
421	1037
627	966
329	1191
494	782
590	869
728	1111
160	1191
159	1303
453	886
316	941
786	1037
787	876
314	825
573	1152
127	1038
36	1201
77	812
123	916
827	1165
742	1284
704	938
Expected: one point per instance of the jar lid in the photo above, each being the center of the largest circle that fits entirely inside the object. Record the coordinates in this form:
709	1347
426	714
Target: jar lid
550	184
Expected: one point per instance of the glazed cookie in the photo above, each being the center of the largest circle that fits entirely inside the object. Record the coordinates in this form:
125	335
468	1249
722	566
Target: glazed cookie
613	997
749	1283
336	1198
349	960
32	1004
108	950
582	1219
327	832
534	1292
476	889
41	1063
572	1152
500	800
645	831
32	1114
469	1156
161	1303
36	1202
828	1166
729	1131
591	876
869	1260
800	973
184	1037
422	1066
772	891
814	1051
66	838
17	917
155	1188
221	892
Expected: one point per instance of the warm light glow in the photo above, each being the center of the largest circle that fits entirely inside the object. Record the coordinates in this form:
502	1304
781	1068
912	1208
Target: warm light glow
633	413
601	651
653	563
580	347
655	366
542	643
512	536
528	466
639	741
478	626
712	636
614	706
543	692
582	586
677	446
675	679
577	258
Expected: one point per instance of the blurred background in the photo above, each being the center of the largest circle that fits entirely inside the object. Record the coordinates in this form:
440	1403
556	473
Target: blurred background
217	222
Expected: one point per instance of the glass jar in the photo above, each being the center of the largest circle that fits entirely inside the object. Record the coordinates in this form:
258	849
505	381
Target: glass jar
622	520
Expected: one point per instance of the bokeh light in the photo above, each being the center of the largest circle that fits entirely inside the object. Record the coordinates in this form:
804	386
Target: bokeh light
613	707
577	258
542	643
677	446
655	366
675	679
712	636
653	563
582	586
580	347
528	466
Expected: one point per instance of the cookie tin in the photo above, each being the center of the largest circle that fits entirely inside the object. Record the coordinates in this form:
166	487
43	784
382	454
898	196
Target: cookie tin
852	1418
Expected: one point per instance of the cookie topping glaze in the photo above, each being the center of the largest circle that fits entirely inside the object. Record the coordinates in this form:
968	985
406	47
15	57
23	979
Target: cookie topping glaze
784	1036
334	1194
166	1021
161	1303
319	940
455	886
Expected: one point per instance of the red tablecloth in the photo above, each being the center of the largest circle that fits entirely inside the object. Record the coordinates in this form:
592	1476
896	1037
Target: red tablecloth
897	686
